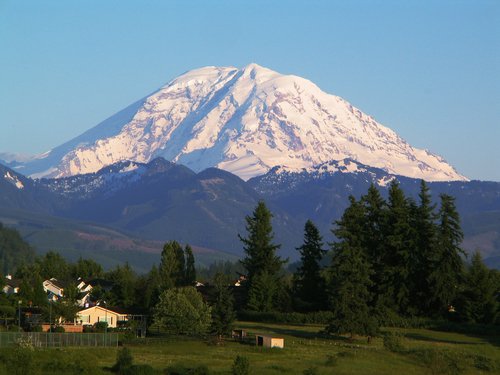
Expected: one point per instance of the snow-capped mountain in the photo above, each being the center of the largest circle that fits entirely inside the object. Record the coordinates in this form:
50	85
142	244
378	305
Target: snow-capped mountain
245	121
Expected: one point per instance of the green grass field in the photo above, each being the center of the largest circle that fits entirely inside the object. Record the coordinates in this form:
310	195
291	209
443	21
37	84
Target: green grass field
420	351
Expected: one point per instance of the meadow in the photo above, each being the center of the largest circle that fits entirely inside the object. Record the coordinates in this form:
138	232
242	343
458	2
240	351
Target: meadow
403	351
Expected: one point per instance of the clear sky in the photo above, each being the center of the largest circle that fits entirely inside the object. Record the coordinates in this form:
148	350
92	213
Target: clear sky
430	70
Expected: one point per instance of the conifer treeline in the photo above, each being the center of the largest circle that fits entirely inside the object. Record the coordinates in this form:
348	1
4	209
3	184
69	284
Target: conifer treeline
392	258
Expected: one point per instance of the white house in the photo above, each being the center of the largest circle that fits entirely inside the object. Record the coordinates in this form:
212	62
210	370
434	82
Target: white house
54	288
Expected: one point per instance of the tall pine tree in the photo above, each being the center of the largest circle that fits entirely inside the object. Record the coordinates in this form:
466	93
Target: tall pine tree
261	261
447	269
350	276
398	244
190	277
424	222
309	284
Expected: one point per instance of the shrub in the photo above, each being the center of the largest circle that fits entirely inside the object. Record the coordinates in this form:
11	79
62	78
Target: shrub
58	329
124	360
394	343
241	366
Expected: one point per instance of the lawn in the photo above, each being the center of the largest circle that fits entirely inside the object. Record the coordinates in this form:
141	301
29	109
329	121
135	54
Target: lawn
420	352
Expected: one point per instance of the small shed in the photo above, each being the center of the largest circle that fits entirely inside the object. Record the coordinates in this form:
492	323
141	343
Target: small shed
269	341
239	334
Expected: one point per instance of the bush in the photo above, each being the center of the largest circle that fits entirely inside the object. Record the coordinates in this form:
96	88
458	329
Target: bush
394	343
58	329
124	361
241	366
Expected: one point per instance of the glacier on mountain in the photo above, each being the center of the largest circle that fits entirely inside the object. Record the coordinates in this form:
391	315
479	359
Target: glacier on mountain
245	121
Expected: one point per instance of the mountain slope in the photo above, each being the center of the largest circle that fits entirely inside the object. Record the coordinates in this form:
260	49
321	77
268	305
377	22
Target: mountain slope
244	121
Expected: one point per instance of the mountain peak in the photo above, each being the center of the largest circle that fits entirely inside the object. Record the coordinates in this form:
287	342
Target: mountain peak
245	121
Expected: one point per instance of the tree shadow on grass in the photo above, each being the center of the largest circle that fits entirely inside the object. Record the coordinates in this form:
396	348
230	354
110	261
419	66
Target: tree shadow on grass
416	336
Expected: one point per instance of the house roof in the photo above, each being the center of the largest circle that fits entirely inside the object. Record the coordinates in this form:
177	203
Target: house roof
57	283
14	283
116	310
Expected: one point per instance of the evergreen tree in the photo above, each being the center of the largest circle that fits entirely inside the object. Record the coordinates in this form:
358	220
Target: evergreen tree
190	279
124	285
447	266
350	276
180	272
223	314
261	261
87	269
263	291
149	289
14	251
478	303
52	264
374	243
168	266
399	243
424	222
309	285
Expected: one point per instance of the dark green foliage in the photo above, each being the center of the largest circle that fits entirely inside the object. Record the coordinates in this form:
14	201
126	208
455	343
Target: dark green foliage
67	307
393	342
350	277
52	264
124	361
182	311
148	289
317	317
261	262
87	269
190	277
477	302
374	239
308	283
124	281
399	245
447	266
241	366
424	218
223	314
168	265
180	266
14	251
177	266
262	292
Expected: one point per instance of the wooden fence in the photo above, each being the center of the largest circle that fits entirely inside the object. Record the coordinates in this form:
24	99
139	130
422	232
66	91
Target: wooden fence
48	340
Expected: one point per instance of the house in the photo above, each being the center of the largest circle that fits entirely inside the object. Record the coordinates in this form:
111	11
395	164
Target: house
269	341
11	286
241	280
96	314
54	288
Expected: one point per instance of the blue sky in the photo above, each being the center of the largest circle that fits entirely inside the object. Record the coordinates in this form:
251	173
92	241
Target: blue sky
430	70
